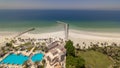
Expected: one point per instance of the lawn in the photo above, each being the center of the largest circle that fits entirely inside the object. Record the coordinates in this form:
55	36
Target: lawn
94	59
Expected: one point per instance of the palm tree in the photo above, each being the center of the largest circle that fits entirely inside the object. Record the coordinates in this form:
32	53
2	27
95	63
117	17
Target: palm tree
37	63
43	44
25	65
43	61
77	46
46	49
88	47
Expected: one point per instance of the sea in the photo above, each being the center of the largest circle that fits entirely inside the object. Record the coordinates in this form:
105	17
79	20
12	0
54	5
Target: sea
18	20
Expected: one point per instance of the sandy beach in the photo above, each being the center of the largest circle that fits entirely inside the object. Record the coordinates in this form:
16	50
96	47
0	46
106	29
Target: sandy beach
94	37
74	35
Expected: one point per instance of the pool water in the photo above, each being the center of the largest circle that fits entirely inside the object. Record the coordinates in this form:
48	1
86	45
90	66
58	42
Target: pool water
20	59
37	57
14	59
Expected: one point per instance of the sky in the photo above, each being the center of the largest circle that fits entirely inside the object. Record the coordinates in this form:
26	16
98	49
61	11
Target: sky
61	4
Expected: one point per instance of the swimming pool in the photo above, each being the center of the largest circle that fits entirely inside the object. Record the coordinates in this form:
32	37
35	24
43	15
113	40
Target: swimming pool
37	57
20	59
14	59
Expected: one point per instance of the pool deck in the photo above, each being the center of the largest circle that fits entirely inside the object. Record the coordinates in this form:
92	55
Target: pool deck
31	50
4	57
11	66
16	65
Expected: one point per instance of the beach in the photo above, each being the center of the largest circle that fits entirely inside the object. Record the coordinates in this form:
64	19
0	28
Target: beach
87	37
77	36
85	25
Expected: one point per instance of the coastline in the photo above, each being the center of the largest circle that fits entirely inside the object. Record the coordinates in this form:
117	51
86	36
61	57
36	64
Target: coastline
76	36
94	37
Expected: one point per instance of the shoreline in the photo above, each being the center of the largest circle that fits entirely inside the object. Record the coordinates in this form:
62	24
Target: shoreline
76	36
101	34
88	37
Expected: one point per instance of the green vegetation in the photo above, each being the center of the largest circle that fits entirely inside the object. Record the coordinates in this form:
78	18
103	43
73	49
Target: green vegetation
107	56
70	48
40	47
112	51
26	44
26	65
29	48
73	61
95	59
9	44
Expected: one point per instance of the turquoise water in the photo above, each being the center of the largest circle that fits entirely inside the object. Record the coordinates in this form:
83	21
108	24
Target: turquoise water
37	57
20	59
45	20
14	59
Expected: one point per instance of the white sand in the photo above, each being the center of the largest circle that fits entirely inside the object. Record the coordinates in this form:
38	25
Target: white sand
87	37
74	35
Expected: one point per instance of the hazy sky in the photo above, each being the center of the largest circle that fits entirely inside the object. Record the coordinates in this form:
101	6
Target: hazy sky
60	4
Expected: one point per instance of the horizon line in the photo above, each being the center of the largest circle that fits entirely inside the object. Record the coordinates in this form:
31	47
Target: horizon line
61	9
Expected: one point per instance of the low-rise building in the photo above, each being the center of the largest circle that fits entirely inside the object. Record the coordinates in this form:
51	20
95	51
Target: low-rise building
56	54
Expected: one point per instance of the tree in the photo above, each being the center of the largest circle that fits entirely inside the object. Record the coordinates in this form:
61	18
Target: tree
25	65
70	48
77	46
75	62
80	62
9	44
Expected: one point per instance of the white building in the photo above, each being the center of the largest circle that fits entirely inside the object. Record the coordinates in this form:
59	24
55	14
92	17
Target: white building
55	55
